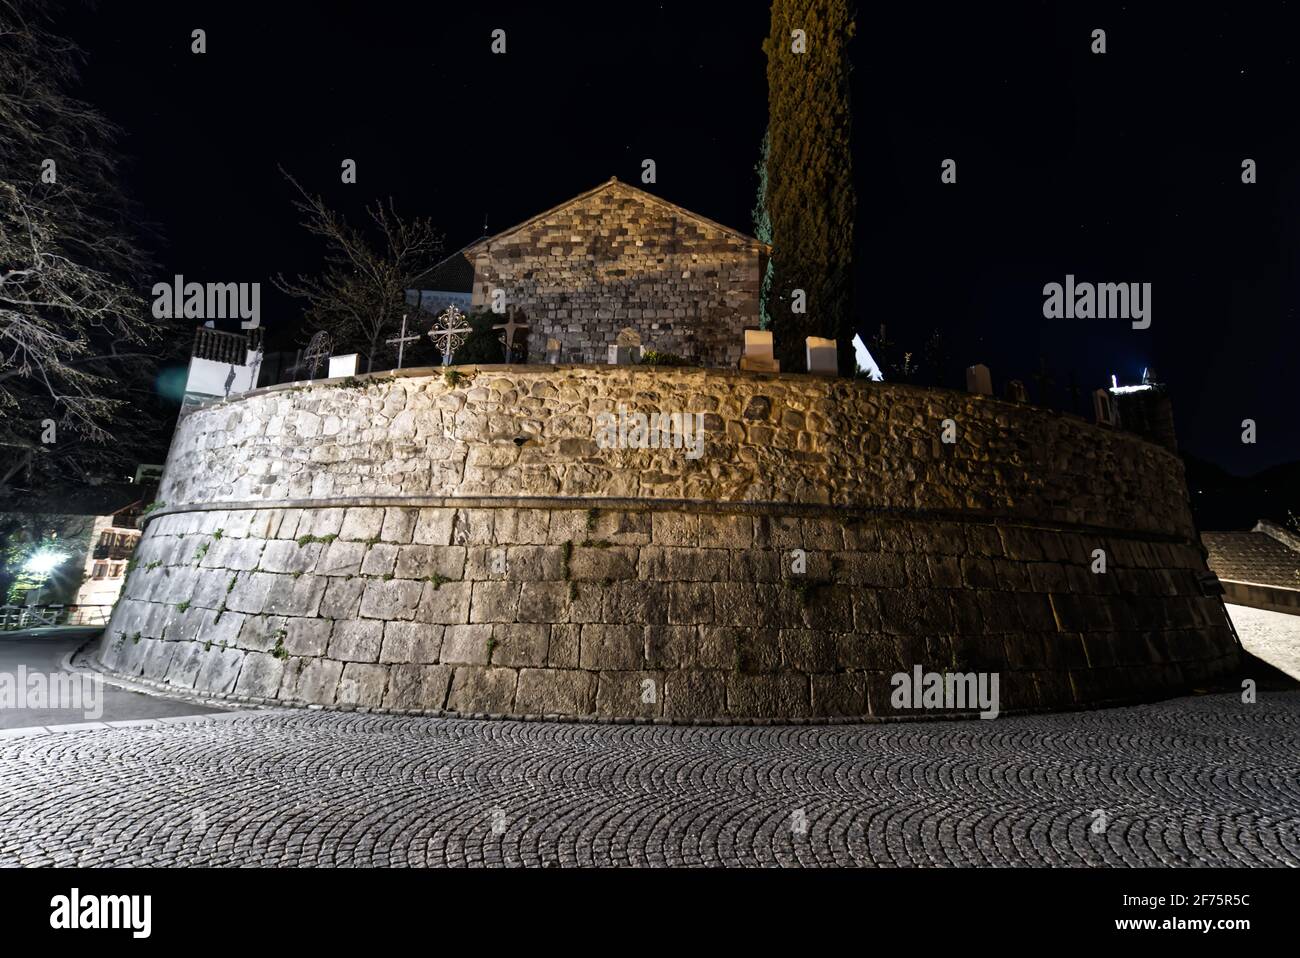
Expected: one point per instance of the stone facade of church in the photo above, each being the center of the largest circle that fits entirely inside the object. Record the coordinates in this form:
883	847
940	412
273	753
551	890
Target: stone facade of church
618	257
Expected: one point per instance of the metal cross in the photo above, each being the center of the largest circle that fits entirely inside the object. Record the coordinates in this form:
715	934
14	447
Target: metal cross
318	349
449	332
402	339
511	326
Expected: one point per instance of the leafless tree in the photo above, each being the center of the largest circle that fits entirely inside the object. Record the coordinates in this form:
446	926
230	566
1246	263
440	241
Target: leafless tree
74	330
360	295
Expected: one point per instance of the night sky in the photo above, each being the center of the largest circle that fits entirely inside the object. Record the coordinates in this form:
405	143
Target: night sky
1123	167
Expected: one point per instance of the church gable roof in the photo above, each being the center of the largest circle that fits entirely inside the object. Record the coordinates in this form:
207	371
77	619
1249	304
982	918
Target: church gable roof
455	274
613	183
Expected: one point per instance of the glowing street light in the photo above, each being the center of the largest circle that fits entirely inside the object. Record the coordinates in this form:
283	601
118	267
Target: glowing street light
43	562
40	564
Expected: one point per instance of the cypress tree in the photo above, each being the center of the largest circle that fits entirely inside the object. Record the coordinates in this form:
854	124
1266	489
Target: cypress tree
806	201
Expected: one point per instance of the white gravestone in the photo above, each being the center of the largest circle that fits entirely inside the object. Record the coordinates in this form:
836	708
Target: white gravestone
345	365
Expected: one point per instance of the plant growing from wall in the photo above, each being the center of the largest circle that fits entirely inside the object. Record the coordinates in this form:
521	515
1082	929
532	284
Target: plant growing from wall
652	357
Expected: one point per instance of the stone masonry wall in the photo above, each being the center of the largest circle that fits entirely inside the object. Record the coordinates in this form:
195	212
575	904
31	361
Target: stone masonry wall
618	258
391	546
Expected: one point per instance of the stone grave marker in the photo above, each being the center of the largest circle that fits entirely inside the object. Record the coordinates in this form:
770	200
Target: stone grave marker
822	358
626	349
979	380
758	352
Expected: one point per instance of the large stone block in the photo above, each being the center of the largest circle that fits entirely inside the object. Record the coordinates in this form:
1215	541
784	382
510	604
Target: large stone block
843	694
391	599
626	694
434	527
362	685
260	676
311	680
286	555
612	647
466	644
297	596
342	599
555	692
413	642
362	525
250	592
341	558
220	670
444	603
477	689
520	645
428	562
494	602
417	687
356	640
692	694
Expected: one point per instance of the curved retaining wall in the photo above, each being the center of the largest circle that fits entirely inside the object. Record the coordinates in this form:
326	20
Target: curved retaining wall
419	543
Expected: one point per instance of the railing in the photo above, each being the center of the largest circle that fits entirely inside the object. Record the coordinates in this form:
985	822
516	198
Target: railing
14	617
114	551
222	347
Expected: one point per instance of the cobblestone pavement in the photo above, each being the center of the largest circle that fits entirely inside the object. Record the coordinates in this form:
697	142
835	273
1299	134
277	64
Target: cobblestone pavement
1185	782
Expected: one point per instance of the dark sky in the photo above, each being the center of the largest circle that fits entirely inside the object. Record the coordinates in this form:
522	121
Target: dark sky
1123	167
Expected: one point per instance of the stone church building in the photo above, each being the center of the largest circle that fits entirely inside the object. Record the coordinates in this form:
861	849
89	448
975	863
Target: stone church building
617	257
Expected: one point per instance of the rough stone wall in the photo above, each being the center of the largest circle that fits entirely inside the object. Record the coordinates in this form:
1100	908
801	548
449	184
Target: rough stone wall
616	259
650	614
798	439
369	547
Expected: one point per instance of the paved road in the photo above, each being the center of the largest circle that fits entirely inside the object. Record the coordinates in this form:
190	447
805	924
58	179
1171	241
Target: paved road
1273	637
41	653
1184	782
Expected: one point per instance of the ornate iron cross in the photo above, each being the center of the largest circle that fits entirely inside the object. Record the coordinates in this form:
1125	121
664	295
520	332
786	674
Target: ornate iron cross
449	332
318	350
401	339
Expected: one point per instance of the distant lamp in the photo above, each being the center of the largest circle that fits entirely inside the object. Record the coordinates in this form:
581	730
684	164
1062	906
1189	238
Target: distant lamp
44	562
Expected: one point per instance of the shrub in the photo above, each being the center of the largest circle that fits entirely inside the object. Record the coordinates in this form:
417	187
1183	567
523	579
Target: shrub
652	357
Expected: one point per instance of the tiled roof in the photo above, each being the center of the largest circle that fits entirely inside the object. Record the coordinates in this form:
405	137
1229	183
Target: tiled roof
1252	557
615	183
455	274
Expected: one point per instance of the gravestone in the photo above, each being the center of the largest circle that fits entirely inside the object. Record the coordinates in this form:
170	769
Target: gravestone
822	357
345	365
758	352
1103	407
979	380
626	349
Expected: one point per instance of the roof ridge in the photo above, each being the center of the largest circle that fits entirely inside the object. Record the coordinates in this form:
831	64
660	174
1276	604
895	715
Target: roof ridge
611	182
